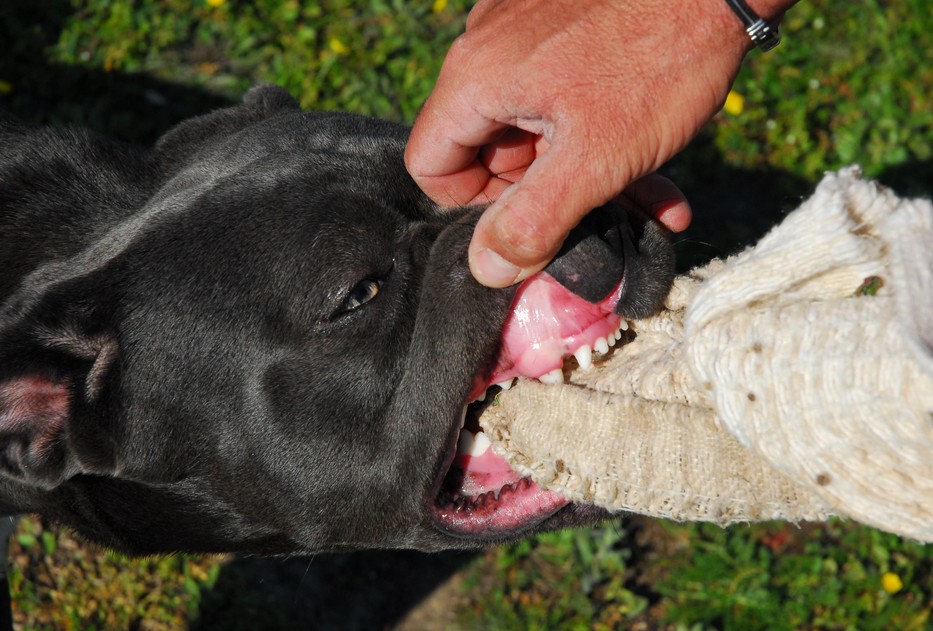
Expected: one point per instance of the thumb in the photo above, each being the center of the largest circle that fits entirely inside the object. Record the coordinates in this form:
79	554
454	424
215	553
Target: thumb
522	231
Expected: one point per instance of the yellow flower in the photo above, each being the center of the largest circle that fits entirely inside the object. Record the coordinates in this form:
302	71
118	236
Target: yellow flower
439	5
215	3
891	582
735	103
337	46
5	87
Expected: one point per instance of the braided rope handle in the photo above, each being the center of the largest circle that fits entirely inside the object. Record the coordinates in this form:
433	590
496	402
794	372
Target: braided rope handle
792	381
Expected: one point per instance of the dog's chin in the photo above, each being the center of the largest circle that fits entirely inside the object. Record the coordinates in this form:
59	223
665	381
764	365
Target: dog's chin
479	496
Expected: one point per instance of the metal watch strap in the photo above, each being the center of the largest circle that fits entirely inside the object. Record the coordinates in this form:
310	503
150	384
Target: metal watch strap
763	35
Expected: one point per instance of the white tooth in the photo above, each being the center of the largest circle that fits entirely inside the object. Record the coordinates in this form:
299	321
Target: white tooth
480	445
601	346
584	356
611	339
480	398
505	385
553	378
623	325
467	442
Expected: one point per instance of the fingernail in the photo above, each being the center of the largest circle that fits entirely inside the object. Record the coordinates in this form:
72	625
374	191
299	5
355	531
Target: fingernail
492	270
672	215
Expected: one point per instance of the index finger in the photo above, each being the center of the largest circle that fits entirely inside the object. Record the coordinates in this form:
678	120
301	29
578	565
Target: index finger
442	154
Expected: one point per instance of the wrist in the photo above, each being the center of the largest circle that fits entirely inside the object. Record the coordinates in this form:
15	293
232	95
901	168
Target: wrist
771	11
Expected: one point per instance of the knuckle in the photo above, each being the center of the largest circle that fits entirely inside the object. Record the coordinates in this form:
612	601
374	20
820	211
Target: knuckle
460	51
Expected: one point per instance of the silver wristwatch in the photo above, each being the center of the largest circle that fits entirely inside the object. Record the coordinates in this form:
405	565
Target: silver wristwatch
763	35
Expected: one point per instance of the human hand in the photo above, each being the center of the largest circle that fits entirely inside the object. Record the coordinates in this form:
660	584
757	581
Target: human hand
552	107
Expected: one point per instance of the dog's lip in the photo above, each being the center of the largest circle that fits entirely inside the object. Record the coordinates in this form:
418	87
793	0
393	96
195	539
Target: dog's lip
546	324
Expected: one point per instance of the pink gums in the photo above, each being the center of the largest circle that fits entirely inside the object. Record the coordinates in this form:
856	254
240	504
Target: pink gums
547	323
496	498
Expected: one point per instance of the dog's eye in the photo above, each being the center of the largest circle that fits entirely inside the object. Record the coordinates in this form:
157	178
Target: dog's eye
362	293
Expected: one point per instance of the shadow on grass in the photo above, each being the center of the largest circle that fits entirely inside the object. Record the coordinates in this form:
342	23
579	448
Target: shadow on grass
131	107
734	207
910	179
365	590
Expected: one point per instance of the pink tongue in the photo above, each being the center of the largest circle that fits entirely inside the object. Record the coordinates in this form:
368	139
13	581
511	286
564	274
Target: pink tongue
549	322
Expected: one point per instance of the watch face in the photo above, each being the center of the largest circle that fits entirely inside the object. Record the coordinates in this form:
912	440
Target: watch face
764	36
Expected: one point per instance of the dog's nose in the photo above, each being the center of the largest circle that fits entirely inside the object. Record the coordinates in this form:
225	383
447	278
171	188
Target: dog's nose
592	259
611	244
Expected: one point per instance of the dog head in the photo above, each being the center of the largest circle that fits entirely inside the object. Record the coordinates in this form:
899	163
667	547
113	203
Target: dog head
266	338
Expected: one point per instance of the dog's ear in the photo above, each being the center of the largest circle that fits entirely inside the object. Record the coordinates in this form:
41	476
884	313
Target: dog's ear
58	370
187	138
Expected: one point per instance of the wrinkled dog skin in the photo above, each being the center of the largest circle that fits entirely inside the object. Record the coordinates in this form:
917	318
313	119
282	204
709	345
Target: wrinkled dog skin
257	336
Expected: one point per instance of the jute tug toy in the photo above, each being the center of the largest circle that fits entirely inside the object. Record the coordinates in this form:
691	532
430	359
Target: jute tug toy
792	381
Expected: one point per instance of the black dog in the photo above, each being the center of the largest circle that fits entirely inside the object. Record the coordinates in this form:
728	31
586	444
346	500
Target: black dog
260	336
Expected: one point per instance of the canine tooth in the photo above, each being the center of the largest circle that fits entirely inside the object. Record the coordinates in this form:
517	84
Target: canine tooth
555	377
601	346
584	356
480	445
466	443
505	385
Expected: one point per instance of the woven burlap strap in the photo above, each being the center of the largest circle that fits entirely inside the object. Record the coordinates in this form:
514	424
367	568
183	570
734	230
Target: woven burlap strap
778	384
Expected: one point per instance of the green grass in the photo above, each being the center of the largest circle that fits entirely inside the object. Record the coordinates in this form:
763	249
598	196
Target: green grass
379	60
779	577
852	82
574	579
768	576
58	582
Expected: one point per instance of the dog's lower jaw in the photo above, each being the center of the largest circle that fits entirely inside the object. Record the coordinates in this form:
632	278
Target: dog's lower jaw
481	497
512	510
